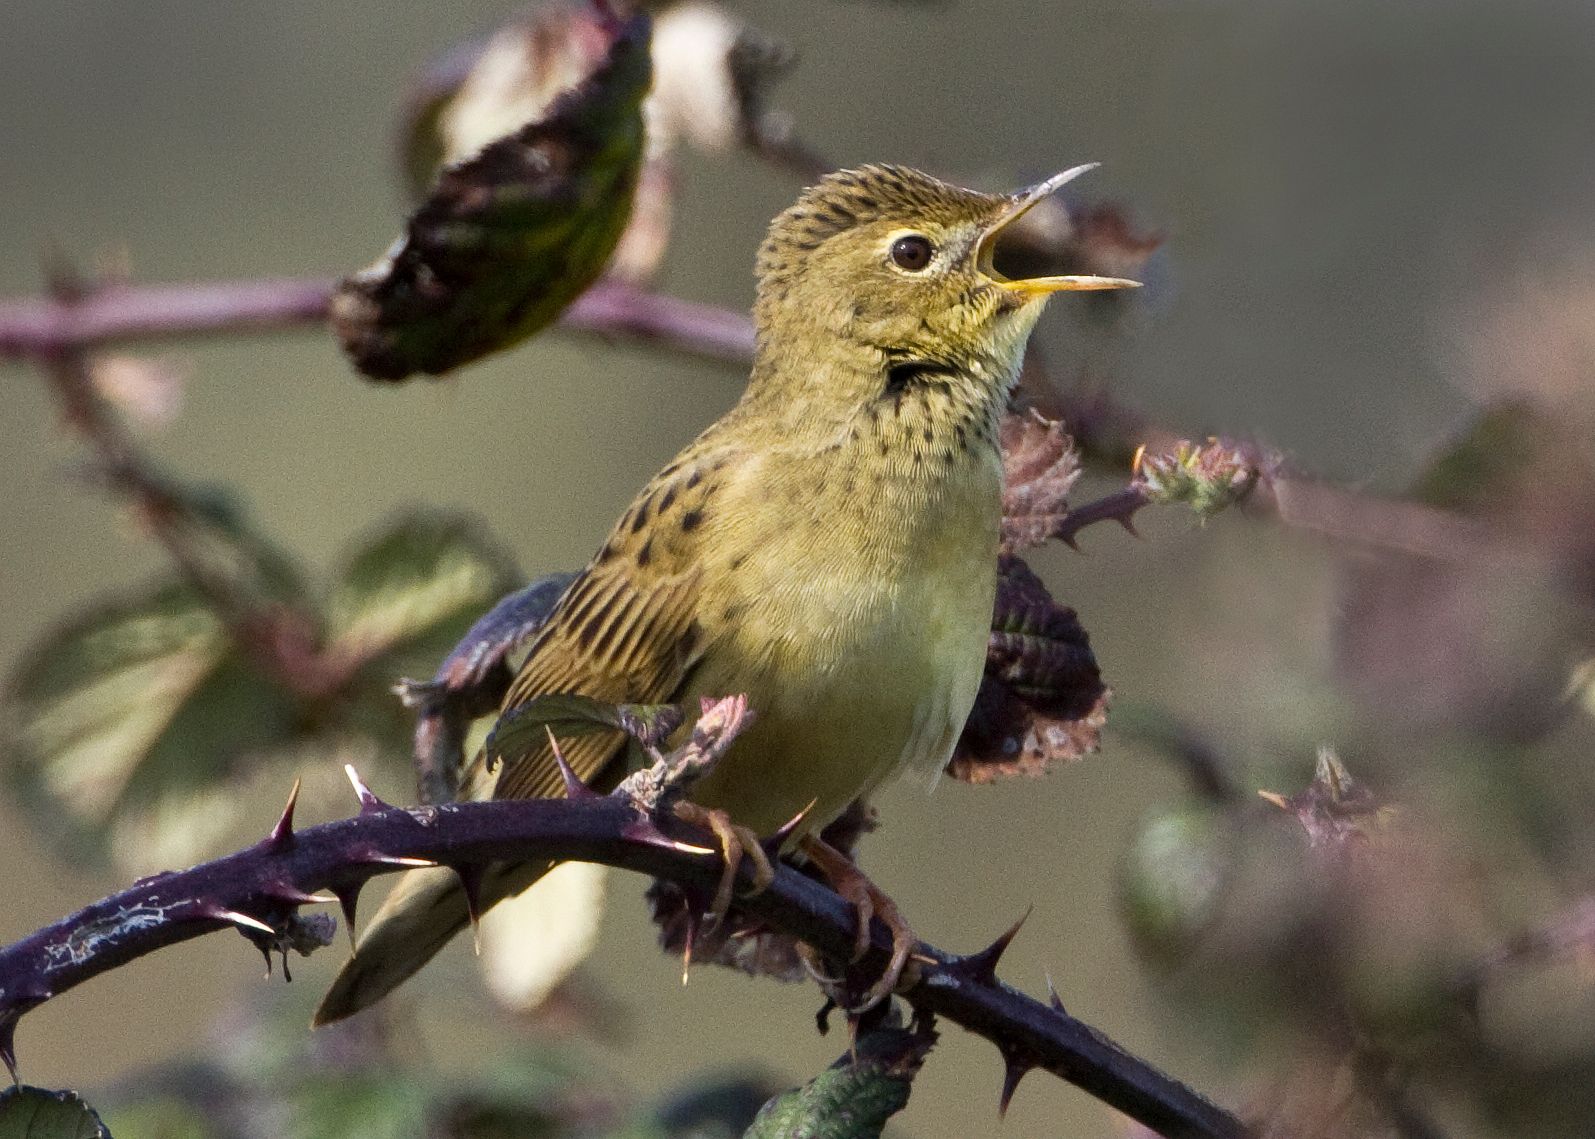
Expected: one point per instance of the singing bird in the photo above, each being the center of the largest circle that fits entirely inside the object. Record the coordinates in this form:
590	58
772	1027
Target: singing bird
828	547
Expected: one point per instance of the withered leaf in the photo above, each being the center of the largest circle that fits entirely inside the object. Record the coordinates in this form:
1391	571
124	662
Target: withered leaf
1042	700
1334	809
523	729
1040	467
509	237
741	942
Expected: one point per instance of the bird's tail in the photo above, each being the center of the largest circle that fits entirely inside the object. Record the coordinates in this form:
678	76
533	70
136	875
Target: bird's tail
421	915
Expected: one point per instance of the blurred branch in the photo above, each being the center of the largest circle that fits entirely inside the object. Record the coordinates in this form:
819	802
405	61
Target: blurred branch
45	329
1380	1083
277	636
1568	933
41	329
260	889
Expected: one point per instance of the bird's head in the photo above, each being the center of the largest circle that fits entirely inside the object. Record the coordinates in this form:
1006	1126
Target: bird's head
891	264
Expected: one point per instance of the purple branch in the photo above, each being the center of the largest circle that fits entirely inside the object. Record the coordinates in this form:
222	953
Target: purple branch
45	328
41	327
617	310
258	891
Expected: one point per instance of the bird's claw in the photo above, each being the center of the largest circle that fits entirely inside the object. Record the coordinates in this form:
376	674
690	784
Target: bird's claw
735	843
869	902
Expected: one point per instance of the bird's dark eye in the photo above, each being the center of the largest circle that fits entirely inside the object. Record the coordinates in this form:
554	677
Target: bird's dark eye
912	252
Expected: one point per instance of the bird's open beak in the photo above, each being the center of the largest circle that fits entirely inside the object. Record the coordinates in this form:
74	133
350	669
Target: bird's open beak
1033	287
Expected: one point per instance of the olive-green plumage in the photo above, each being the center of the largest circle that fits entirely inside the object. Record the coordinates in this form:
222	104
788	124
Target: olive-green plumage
828	547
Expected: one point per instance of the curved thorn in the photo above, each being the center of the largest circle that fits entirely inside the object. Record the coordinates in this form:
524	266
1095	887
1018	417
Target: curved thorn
687	947
369	803
8	1045
982	965
574	787
287	892
1053	999
1014	1069
348	900
644	831
376	858
470	876
8	1042
281	837
772	845
241	920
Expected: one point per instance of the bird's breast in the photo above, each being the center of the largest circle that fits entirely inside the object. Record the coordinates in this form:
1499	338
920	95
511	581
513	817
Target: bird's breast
857	628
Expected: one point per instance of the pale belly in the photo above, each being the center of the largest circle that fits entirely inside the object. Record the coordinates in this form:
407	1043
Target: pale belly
872	682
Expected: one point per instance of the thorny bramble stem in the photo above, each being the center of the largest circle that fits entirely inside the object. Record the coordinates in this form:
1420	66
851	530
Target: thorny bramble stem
264	885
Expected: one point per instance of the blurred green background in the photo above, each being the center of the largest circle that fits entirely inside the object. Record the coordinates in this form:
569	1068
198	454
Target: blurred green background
1364	203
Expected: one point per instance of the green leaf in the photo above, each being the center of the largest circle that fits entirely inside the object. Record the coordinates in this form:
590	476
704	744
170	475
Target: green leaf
123	721
408	595
33	1113
510	236
1491	460
216	527
524	729
854	1097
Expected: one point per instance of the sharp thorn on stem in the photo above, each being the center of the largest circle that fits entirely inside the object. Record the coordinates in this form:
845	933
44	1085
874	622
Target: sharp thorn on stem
645	831
348	902
241	920
574	787
772	845
688	944
377	858
1054	1001
8	1043
281	837
369	803
294	896
982	965
470	876
1014	1069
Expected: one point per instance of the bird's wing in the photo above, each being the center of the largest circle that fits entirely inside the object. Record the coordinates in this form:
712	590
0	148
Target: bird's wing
626	631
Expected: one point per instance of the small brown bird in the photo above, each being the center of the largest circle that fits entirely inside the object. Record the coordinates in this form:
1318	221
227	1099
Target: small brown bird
827	548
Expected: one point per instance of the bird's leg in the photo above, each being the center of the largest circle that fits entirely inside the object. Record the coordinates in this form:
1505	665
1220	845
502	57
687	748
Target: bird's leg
735	841
868	901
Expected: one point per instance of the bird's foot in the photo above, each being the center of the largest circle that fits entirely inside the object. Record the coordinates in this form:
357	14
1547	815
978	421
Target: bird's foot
735	842
868	900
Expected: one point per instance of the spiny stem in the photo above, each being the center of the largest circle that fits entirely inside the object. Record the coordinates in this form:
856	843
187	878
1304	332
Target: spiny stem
338	857
44	328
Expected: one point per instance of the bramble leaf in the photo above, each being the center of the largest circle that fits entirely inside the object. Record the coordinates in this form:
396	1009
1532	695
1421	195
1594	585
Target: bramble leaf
122	716
409	593
511	235
33	1113
1042	700
131	728
1040	467
522	730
